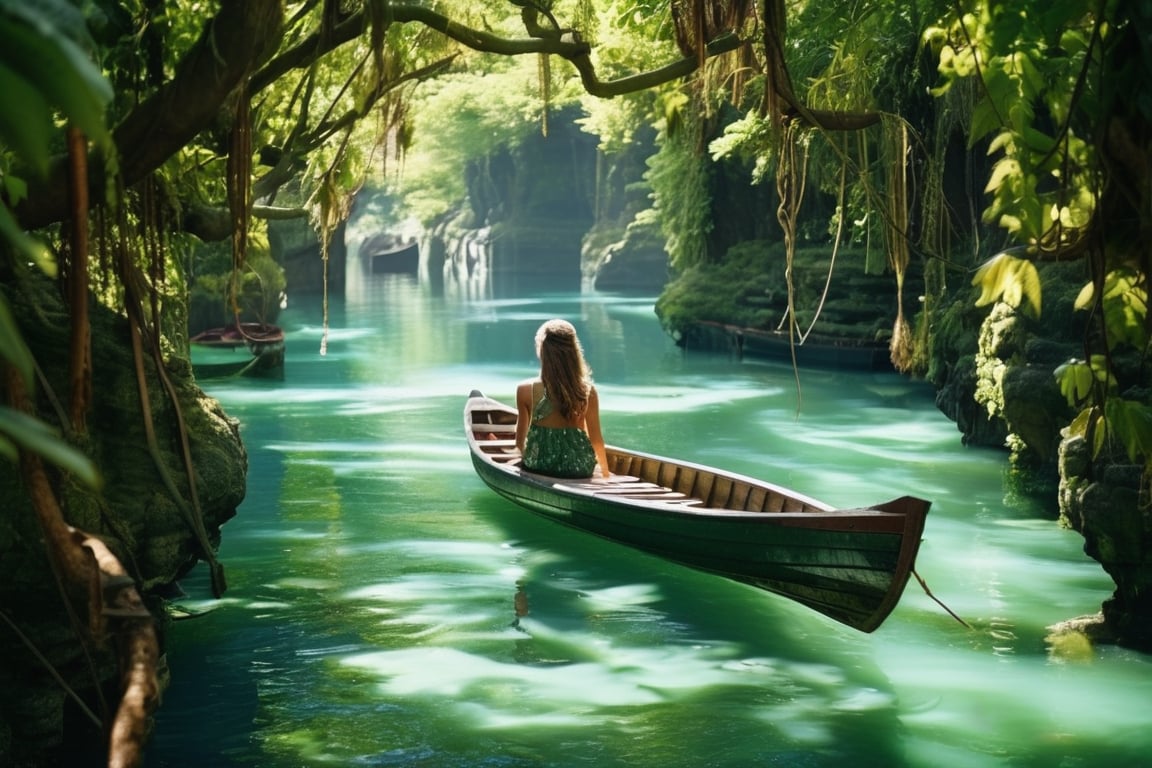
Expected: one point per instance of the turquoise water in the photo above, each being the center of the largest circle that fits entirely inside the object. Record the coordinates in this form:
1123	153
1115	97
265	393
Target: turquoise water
386	609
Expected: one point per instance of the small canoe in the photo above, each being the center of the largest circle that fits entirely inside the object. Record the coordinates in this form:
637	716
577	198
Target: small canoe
848	564
217	347
256	336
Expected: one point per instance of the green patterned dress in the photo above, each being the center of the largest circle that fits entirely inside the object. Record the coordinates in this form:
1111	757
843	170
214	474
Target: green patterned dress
557	451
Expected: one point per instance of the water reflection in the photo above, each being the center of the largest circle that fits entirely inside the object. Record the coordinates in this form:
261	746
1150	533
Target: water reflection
604	649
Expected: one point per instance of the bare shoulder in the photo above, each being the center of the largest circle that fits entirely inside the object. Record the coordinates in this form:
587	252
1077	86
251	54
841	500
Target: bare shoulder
524	389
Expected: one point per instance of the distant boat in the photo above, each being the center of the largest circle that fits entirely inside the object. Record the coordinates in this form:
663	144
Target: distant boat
848	564
218	347
819	351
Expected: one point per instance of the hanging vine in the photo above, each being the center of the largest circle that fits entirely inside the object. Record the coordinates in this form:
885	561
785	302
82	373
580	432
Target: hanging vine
791	177
239	184
896	154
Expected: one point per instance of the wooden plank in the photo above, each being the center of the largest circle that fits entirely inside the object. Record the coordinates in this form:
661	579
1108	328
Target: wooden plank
721	492
650	470
685	480
702	487
739	498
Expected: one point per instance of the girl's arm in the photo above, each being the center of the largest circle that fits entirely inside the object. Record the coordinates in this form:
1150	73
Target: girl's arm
524	409
592	423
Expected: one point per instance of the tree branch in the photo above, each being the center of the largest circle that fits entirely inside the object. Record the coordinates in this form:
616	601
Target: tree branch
582	61
568	46
232	44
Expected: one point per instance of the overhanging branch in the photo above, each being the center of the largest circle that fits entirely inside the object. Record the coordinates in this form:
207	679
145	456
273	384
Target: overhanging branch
568	46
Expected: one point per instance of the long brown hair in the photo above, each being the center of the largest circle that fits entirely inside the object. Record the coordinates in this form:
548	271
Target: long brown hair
566	376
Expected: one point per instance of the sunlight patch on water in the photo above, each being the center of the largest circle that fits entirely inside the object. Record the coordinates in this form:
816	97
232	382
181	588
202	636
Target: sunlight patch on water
864	700
447	672
335	333
371	406
425	589
302	582
624	596
415	605
651	400
894	441
478	555
264	605
610	682
378	456
421	572
287	534
485	717
514	317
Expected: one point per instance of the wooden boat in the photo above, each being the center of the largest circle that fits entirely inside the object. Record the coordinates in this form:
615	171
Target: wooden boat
849	564
817	351
263	342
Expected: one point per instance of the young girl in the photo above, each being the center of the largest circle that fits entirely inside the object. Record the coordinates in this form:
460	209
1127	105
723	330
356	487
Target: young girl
558	428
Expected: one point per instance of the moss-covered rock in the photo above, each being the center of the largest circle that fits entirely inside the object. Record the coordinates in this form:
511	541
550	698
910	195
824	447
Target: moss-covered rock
141	522
637	262
1103	499
833	298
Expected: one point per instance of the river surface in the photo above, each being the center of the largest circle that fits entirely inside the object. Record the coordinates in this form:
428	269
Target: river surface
386	609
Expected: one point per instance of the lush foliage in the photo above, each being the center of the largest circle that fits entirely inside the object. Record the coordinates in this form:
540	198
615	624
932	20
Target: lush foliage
493	103
679	176
45	69
462	118
1038	63
1065	87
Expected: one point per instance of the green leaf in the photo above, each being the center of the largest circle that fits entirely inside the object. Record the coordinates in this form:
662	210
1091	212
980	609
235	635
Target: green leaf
29	247
15	188
1086	296
1082	423
37	437
1131	422
58	68
1028	279
8	449
1099	436
25	121
1124	303
12	347
1011	280
1075	379
989	277
1101	371
1005	168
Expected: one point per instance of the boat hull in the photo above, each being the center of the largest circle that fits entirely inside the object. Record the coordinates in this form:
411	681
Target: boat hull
851	565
